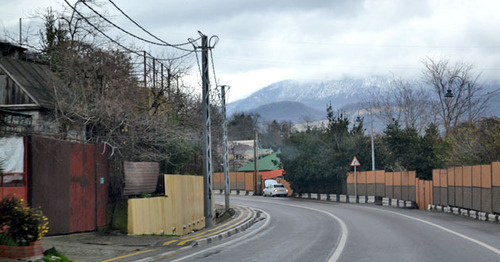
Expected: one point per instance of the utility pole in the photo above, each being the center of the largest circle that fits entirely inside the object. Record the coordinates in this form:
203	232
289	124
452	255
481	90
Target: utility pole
255	165
227	189
469	101
145	72
207	147
154	74
373	147
20	32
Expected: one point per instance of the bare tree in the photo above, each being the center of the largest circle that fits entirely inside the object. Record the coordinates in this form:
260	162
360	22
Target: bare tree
407	102
465	99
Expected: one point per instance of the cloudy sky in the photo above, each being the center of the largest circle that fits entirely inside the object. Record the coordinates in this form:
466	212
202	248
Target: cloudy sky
264	41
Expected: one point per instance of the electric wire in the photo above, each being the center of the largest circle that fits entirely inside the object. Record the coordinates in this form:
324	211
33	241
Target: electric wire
143	29
129	33
148	55
98	30
215	78
211	45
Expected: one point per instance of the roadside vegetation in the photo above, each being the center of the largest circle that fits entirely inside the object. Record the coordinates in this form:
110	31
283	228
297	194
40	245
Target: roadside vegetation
421	132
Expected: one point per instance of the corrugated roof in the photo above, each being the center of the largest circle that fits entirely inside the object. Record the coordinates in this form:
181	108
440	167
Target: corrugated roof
266	163
34	79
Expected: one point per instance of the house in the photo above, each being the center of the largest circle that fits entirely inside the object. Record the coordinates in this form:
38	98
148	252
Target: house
68	180
268	166
25	91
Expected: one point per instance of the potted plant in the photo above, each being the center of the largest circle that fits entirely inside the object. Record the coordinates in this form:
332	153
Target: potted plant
21	229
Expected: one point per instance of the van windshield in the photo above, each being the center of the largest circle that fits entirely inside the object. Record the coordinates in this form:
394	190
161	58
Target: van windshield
278	185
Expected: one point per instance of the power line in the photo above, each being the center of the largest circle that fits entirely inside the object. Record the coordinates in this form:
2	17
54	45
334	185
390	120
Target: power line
122	46
212	61
98	30
131	34
173	45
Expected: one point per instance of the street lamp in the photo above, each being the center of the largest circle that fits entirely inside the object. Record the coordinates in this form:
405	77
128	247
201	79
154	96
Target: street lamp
448	94
359	120
373	146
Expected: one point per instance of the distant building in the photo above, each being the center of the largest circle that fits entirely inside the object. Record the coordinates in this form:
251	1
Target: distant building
243	150
268	166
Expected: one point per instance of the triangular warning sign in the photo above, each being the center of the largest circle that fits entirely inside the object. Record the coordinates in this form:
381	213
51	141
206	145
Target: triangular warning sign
355	162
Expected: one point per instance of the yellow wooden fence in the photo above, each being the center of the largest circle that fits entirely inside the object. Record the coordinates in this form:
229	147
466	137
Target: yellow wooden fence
178	213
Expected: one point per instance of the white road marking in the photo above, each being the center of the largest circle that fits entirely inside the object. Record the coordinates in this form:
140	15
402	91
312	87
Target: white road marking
266	223
343	238
496	250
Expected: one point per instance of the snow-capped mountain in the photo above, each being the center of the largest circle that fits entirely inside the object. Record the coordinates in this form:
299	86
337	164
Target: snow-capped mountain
313	94
303	101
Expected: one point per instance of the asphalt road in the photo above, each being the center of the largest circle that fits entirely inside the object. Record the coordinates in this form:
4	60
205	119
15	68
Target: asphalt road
307	230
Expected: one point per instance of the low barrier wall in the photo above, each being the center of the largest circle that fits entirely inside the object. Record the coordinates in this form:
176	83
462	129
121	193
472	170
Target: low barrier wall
237	180
472	187
397	185
242	181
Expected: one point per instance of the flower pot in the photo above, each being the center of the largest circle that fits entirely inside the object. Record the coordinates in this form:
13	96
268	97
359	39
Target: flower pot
34	249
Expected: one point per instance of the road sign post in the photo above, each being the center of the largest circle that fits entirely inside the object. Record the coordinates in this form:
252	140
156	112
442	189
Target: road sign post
355	163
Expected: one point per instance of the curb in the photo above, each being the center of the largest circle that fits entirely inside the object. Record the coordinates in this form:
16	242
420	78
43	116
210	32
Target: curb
465	213
226	234
236	192
390	202
208	240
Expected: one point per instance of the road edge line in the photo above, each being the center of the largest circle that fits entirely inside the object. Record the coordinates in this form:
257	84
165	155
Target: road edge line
445	229
268	220
343	239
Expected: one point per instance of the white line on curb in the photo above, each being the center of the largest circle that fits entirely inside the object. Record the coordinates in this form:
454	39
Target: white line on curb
268	220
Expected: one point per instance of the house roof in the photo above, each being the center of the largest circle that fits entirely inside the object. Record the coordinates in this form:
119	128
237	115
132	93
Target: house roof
34	79
271	174
264	164
7	49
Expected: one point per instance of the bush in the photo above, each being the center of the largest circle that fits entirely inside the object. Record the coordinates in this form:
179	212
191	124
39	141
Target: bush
20	224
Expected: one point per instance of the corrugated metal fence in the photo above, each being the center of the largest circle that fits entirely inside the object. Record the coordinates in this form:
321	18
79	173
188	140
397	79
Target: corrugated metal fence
399	185
471	187
69	183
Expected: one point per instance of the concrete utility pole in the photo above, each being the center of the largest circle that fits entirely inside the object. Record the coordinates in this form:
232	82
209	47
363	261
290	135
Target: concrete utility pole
469	101
207	147
20	32
373	147
255	165
145	72
227	188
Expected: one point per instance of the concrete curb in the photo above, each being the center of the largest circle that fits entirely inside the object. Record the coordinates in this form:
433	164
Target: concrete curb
465	212
228	233
237	192
208	240
357	199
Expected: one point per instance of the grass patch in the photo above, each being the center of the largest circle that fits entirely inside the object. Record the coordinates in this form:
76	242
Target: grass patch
224	215
52	254
116	216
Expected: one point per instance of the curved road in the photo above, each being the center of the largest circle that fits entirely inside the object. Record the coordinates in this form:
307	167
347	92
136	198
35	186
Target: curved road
309	230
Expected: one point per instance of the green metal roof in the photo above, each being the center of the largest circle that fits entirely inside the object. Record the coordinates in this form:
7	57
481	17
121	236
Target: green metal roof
264	164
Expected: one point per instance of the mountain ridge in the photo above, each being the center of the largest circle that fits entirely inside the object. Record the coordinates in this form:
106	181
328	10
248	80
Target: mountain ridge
345	94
